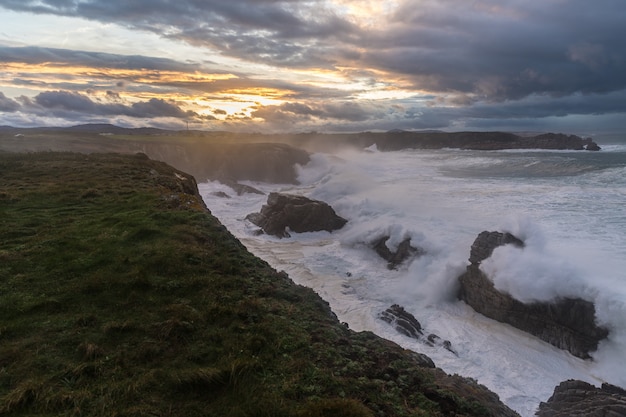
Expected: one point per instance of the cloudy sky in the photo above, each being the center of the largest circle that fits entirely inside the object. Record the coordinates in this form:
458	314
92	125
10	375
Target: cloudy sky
325	65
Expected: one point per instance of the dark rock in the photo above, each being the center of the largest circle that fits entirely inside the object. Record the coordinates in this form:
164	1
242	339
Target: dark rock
567	323
404	251
220	194
486	242
241	189
590	145
299	214
435	340
403	321
577	398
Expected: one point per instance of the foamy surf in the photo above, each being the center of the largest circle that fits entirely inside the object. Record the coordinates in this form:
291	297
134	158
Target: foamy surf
572	220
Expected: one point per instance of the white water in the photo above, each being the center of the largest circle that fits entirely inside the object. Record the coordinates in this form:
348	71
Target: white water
568	208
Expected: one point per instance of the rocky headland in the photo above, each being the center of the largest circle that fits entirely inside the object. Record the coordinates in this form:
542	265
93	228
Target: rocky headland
233	157
567	323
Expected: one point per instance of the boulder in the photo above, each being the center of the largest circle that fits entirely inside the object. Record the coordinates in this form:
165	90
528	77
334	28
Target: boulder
567	323
577	398
299	214
404	251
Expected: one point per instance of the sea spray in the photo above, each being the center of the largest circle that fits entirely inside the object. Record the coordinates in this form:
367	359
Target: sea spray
567	207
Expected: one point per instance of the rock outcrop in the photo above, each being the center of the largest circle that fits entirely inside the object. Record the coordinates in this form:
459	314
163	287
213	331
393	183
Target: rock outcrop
405	323
486	242
567	323
577	398
241	189
297	213
403	252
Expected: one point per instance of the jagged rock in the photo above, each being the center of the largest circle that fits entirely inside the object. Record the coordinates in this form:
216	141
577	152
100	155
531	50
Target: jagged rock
567	323
403	321
486	242
590	145
404	251
577	398
299	214
437	341
406	324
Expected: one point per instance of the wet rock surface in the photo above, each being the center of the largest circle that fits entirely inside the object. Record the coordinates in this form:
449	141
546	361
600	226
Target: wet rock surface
405	323
567	323
403	252
577	398
297	213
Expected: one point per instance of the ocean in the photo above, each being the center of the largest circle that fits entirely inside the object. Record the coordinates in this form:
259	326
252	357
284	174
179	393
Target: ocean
569	207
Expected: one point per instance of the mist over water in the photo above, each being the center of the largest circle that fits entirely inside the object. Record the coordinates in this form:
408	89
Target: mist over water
568	207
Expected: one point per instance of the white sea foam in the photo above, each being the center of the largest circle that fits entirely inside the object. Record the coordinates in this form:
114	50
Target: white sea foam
571	218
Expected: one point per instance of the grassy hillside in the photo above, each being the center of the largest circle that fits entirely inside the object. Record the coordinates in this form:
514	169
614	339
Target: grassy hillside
121	295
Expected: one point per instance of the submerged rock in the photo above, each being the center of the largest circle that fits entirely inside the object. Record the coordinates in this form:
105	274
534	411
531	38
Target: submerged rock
403	321
567	323
404	251
577	398
299	214
406	324
241	189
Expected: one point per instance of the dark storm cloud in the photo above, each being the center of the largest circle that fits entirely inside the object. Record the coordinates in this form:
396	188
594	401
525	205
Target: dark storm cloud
486	59
7	104
37	55
506	50
493	50
63	103
261	30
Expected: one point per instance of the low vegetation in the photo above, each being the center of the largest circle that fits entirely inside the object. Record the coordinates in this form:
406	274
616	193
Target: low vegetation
121	295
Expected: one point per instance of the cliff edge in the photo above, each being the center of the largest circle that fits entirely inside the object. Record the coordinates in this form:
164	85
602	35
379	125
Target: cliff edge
122	295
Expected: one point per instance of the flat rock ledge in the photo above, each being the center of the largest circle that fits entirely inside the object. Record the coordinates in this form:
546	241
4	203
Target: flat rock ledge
567	323
577	398
295	213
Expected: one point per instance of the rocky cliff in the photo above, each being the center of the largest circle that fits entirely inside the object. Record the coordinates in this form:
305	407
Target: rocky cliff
567	323
580	399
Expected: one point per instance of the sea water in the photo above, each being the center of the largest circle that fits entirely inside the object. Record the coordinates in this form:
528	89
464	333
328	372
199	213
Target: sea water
568	207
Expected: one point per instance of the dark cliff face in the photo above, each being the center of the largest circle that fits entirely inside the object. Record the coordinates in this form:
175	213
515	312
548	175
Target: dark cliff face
264	162
577	398
398	140
567	323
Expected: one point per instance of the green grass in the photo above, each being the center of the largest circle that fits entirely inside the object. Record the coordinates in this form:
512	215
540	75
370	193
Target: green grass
120	295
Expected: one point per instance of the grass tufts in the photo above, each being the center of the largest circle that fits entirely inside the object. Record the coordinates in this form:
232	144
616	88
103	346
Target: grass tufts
121	295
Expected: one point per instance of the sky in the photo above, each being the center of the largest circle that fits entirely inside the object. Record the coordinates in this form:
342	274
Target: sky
315	65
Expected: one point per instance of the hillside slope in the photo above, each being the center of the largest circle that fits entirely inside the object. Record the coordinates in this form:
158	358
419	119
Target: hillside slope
121	295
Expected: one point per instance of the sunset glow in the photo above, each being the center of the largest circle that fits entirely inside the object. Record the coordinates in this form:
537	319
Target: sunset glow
337	65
